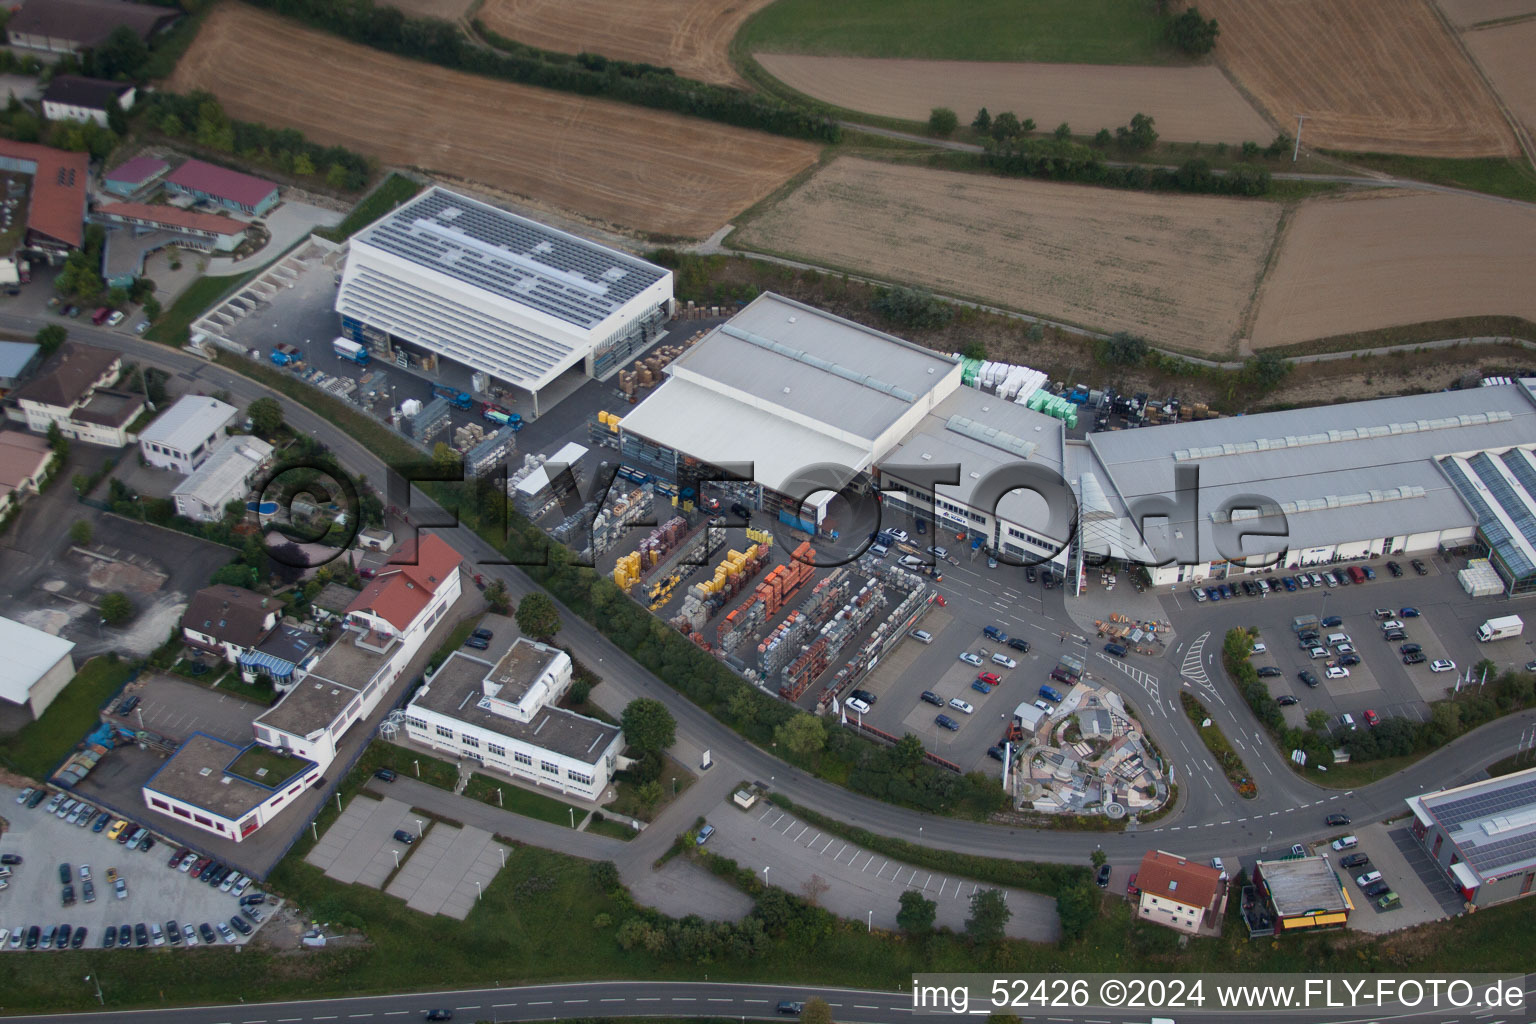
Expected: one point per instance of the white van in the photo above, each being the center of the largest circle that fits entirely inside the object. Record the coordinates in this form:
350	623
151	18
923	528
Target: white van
1346	843
879	550
1334	639
1347	720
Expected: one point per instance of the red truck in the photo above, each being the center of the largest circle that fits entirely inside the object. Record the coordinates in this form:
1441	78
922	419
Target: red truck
100	316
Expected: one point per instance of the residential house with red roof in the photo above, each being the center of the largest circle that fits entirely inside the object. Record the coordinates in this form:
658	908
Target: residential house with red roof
1179	893
56	211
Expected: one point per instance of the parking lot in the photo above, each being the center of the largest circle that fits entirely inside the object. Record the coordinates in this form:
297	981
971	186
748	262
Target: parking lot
155	893
1443	629
1423	893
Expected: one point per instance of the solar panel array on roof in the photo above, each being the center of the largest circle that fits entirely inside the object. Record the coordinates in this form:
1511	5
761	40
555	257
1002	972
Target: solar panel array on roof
1477	806
566	277
1486	814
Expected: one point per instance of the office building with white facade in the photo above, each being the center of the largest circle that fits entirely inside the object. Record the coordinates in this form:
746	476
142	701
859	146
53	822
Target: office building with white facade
448	276
502	715
183	436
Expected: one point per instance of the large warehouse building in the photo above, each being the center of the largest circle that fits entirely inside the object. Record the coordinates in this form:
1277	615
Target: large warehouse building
448	276
785	386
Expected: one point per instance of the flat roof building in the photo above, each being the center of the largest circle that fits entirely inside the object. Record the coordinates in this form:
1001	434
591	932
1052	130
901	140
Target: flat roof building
37	666
448	275
224	789
785	386
1305	892
17	359
183	436
502	715
225	476
1482	836
1353	480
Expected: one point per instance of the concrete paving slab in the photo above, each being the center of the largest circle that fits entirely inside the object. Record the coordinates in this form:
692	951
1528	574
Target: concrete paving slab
359	846
440	875
680	888
855	883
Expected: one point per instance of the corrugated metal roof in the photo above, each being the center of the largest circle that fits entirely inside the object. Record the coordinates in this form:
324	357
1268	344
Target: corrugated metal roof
29	653
188	422
809	363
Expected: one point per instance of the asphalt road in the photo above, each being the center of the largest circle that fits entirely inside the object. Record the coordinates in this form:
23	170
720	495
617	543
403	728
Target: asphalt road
1289	809
689	999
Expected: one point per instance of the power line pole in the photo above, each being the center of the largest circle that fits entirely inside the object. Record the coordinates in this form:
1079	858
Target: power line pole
1297	150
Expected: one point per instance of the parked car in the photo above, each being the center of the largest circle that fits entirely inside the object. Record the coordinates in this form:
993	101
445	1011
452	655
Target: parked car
402	836
241	925
1269	672
1355	860
109	937
944	721
1372	719
1307	677
205	930
854	704
1019	644
1102	878
1333	620
1004	660
65	874
1394	569
932	698
1392	636
981	686
1289	583
10	859
1442	665
120	888
1287	700
482	634
190	934
990	678
476	643
1410	649
922	636
1419	567
1413	659
960	705
865	696
995	753
1377	889
994	633
1118	650
1409	613
156	934
173	933
971	659
140	934
224	931
1349	659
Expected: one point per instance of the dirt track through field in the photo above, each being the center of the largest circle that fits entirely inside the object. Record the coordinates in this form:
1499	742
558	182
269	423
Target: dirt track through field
640	169
1370	75
1359	263
1463	13
692	37
1189	104
1178	270
448	10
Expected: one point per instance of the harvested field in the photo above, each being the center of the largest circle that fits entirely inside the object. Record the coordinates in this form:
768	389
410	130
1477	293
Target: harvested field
1370	75
640	169
1178	270
1360	263
1464	13
692	37
1505	54
1189	104
448	10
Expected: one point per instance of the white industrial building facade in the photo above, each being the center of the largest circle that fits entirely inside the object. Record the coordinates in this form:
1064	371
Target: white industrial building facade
501	294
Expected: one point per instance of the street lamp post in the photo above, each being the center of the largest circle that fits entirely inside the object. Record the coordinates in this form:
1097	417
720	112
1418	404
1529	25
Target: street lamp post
99	997
573	816
479	892
418	827
418	768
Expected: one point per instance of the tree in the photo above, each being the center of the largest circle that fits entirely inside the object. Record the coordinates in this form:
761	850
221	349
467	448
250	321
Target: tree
1027	125
1063	132
1192	34
123	54
917	913
648	725
289	563
1103	138
445	458
57	441
117	298
1267	370
982	122
537	617
802	733
942	122
235	574
152	308
816	1012
1099	858
1124	349
497	597
81	531
50	338
116	608
1076	907
1006	126
912	308
266	416
989	915
814	889
1139	136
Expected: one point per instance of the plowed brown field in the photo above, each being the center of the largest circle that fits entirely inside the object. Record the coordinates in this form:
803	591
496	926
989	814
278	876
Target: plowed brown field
1360	263
692	37
642	169
1505	54
1370	75
1194	104
1178	270
1470	12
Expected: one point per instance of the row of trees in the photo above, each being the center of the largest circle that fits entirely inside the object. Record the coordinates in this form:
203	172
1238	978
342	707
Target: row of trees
1062	159
442	42
200	118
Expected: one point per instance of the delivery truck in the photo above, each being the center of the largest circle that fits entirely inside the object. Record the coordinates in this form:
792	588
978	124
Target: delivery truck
502	418
351	351
284	354
1501	628
454	397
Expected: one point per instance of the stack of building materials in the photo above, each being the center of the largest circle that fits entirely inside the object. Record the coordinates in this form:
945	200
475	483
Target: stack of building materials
467	436
542	487
626	573
490	452
660	591
604	429
1053	405
613	521
432	420
1480	579
800	673
740	625
731	576
649	552
101	740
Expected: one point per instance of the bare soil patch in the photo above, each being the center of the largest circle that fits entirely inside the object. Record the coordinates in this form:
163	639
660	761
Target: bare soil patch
1506	55
1189	104
1464	13
448	10
1178	270
1370	75
1360	263
639	169
692	37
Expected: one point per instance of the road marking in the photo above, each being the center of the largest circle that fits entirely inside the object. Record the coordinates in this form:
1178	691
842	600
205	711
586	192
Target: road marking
542	1002
568	1001
612	999
684	999
642	999
721	999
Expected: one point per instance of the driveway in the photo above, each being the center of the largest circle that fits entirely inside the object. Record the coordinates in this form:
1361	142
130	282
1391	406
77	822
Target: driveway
852	882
